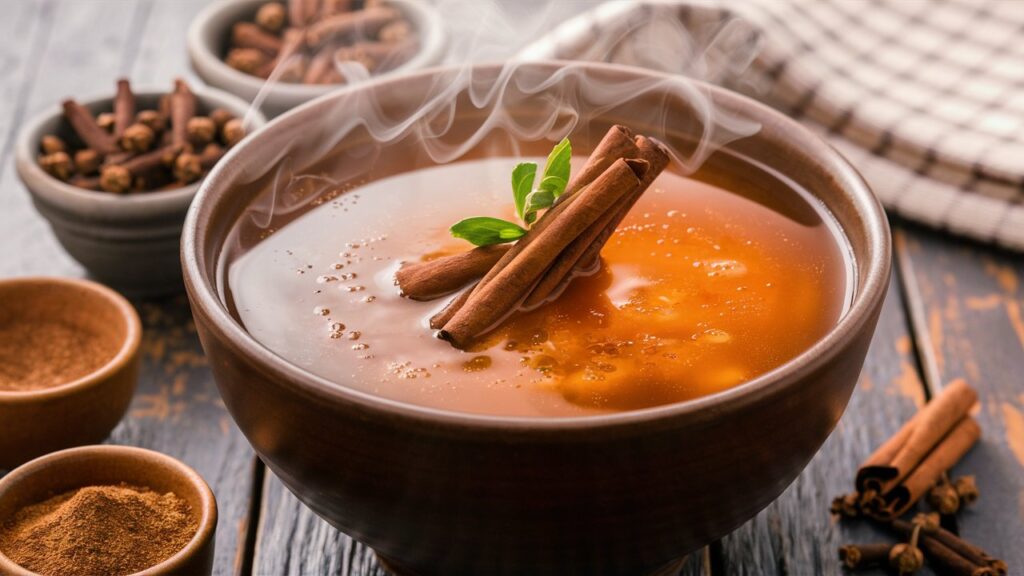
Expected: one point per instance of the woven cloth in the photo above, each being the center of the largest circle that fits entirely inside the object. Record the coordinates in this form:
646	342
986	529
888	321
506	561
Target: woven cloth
924	97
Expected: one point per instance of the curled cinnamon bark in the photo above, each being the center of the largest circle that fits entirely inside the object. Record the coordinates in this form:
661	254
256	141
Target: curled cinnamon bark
435	278
583	253
905	467
951	552
491	301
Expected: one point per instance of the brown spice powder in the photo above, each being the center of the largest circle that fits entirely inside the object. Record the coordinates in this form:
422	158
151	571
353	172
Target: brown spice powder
42	354
98	530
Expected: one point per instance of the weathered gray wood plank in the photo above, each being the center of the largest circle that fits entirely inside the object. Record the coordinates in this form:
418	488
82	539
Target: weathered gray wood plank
293	540
83	47
966	303
796	534
24	30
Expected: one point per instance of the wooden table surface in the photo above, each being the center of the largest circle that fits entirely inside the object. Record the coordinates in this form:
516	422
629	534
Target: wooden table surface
954	310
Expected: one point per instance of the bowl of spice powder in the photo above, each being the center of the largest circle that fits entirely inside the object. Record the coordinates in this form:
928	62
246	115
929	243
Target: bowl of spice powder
68	364
110	510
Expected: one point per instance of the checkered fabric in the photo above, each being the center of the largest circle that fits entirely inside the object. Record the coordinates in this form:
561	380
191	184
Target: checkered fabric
924	97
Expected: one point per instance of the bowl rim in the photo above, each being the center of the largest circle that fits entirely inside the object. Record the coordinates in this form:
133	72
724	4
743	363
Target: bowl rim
202	290
431	28
126	353
156	201
144	457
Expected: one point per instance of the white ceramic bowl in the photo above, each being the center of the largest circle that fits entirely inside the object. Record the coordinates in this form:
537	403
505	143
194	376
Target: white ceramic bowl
208	36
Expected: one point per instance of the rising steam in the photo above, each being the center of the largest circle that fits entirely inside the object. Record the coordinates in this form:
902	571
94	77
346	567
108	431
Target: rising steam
484	30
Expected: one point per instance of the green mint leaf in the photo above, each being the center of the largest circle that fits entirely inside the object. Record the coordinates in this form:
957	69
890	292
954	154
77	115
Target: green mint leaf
536	201
522	183
556	171
484	230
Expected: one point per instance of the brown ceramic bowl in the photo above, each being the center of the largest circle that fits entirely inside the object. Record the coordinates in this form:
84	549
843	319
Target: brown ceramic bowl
75	468
439	492
83	410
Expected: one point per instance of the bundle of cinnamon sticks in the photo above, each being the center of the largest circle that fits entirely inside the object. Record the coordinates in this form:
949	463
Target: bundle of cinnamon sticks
911	466
131	150
563	243
306	39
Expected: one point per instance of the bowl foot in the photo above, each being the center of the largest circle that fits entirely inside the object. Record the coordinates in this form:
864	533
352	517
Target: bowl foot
393	569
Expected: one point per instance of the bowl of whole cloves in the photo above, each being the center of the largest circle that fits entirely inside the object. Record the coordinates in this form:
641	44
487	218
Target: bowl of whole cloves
115	175
290	51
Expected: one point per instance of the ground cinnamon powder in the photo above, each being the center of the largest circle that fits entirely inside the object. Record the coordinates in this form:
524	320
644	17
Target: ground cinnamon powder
98	530
40	354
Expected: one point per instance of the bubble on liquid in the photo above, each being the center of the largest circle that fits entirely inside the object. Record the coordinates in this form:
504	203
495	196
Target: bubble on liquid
369	299
354	335
325	278
715	336
337	330
348	276
354	288
726	269
544	363
511	345
338	266
321	311
477	363
360	346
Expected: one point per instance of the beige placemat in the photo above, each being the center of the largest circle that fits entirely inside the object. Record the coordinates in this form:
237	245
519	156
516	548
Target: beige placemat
925	97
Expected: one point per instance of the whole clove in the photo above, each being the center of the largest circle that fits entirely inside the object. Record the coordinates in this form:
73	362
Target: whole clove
304	40
51	144
87	161
58	165
138	138
271	17
201	130
156	150
857	556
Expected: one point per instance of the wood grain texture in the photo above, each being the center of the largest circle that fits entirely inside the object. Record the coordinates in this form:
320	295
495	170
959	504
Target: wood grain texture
967	306
292	540
796	534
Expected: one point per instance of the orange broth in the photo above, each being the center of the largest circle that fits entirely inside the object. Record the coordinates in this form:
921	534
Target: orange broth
700	289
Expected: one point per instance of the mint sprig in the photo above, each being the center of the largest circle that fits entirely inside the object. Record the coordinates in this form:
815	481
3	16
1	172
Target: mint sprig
483	230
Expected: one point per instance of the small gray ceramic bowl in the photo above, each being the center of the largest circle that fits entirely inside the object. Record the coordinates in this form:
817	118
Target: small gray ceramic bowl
128	242
208	37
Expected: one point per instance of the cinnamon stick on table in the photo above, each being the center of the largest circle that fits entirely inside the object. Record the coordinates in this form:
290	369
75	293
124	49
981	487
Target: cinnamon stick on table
902	470
952	553
491	301
440	276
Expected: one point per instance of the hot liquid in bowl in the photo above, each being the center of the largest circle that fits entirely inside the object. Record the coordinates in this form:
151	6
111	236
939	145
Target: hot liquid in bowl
710	281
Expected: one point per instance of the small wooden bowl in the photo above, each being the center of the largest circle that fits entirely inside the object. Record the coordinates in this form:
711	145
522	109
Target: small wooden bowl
67	470
83	410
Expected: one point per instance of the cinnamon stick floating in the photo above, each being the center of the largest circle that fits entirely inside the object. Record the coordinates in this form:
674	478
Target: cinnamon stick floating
124	108
615	144
901	471
435	278
84	124
492	301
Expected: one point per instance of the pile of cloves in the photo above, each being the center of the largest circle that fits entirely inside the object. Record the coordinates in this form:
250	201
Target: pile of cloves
312	41
129	150
911	466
